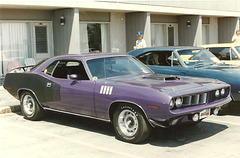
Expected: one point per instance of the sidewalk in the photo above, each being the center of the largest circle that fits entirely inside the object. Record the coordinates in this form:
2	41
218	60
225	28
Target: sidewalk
8	103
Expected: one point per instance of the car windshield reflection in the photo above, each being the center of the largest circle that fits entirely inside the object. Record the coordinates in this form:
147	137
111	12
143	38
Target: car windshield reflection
238	49
116	66
197	57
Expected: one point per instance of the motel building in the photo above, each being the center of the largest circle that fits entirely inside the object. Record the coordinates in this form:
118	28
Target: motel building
42	29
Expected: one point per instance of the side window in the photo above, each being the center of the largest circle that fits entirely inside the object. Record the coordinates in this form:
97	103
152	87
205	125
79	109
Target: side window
50	68
222	53
144	58
162	58
62	69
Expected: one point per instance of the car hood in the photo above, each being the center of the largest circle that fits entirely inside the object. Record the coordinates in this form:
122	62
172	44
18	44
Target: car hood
224	68
169	83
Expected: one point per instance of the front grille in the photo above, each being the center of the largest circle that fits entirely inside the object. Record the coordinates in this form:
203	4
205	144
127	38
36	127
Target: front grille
198	99
212	97
195	99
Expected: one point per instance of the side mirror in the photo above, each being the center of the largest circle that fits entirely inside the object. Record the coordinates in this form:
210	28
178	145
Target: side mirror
73	76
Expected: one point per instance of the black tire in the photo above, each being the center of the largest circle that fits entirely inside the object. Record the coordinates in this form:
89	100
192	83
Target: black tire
30	108
225	109
130	124
192	123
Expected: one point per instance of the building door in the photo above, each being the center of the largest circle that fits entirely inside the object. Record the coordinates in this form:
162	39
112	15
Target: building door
42	41
164	34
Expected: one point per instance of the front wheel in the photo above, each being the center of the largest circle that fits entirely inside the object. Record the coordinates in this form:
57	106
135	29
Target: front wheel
130	124
192	123
30	107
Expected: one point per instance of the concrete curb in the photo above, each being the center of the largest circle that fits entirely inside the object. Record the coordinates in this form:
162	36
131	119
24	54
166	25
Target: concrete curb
10	109
8	103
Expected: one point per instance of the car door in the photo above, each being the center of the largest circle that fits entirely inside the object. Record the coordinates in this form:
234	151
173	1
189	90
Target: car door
76	96
163	62
201	72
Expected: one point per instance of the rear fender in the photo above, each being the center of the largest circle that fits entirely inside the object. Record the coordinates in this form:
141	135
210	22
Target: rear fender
45	89
20	91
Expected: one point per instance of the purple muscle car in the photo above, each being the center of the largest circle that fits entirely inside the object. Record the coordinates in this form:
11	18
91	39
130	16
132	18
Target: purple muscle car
116	88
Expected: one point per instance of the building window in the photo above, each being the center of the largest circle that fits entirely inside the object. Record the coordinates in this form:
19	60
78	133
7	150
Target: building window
41	39
94	37
21	40
13	45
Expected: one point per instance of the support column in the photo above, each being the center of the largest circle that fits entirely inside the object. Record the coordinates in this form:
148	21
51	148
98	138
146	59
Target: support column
213	30
118	33
227	28
137	22
66	37
190	30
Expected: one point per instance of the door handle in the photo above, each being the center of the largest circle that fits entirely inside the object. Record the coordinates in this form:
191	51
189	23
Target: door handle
49	84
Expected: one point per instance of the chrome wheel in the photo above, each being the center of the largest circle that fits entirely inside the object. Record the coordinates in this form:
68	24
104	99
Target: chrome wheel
128	123
28	105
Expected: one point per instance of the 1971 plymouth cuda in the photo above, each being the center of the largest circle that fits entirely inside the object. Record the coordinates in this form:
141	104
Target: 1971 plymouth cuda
190	61
116	88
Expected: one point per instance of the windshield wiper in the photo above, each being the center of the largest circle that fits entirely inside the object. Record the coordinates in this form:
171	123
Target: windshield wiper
199	64
216	63
205	64
213	63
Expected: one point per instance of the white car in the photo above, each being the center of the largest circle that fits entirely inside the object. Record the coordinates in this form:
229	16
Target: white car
228	53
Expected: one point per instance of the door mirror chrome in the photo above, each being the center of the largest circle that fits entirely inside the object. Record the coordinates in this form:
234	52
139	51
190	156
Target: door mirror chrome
73	76
94	78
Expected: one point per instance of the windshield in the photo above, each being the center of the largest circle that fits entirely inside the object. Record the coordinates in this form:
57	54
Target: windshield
194	57
116	66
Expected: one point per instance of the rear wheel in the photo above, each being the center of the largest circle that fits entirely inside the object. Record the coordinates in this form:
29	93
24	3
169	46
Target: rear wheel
30	107
130	124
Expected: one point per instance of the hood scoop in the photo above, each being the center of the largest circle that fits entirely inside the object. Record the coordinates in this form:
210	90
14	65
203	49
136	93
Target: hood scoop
162	78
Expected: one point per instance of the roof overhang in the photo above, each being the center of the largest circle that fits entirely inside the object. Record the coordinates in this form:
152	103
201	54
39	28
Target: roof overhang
114	6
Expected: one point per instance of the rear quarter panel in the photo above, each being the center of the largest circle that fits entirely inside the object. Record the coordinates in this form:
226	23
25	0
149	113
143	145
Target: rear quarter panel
36	83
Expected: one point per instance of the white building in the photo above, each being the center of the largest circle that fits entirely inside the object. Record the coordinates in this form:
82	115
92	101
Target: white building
42	29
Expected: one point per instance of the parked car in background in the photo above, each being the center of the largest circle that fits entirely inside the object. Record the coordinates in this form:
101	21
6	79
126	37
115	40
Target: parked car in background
115	88
228	53
190	61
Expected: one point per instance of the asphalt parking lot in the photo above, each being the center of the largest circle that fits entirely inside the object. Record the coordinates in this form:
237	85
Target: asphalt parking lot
60	135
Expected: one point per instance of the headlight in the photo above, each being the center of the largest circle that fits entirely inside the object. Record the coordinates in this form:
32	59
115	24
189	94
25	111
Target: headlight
178	102
171	104
217	93
222	92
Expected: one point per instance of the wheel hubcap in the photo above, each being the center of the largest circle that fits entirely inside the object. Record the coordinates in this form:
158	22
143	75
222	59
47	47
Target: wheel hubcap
28	105
128	122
